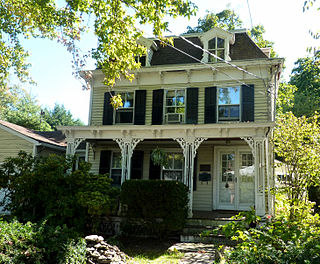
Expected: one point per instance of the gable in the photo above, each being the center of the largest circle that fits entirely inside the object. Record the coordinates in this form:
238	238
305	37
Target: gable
11	144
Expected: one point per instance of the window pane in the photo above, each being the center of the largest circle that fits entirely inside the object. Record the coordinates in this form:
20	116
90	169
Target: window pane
124	116
116	176
220	53
223	112
220	43
229	95
178	161
116	160
212	43
211	58
180	110
170	101
234	111
171	109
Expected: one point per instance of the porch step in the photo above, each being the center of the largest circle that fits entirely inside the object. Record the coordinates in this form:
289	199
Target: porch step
194	229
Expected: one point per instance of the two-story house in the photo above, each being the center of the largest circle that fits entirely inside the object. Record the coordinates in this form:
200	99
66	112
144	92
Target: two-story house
213	119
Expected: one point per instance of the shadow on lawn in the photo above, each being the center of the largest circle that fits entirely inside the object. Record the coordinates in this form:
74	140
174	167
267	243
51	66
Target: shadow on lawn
146	247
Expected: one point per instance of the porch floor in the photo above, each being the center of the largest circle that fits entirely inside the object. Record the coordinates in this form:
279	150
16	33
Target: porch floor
214	215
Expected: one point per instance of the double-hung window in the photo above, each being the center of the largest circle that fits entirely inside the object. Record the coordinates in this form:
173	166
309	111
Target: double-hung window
116	168
124	114
216	47
229	104
175	106
173	170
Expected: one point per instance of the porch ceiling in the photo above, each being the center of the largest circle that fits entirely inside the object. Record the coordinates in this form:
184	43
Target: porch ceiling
234	130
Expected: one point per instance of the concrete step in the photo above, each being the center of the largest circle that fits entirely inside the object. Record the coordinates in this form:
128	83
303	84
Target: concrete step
208	222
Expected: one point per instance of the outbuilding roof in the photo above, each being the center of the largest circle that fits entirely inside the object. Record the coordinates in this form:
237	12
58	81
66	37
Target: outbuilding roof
50	137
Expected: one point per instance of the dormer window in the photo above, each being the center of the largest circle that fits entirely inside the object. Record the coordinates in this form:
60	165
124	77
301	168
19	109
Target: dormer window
124	114
217	41
142	60
216	47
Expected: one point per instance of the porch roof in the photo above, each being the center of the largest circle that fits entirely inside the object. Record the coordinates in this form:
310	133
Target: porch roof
221	130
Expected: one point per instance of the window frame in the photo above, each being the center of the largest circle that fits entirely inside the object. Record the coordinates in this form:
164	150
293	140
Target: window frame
123	109
216	49
163	169
240	105
165	107
115	168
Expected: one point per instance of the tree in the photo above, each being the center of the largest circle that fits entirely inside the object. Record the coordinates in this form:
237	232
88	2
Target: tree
114	24
19	107
26	112
297	145
285	98
308	4
226	19
59	116
306	77
229	20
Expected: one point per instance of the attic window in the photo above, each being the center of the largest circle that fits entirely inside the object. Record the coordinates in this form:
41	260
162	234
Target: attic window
141	59
216	47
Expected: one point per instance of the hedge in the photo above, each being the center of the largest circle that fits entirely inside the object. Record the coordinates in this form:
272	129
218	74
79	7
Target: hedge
161	205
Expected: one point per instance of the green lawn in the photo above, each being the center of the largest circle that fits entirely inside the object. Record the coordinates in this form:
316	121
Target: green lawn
143	251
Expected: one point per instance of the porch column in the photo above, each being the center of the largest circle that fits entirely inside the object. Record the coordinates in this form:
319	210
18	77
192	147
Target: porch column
127	145
189	146
72	145
258	147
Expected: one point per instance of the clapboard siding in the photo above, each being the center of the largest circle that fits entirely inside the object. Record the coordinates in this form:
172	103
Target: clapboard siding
202	197
10	145
262	111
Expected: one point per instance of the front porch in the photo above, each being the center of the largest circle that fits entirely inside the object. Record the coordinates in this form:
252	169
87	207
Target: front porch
209	153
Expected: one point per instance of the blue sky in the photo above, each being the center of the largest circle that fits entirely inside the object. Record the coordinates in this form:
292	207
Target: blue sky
285	23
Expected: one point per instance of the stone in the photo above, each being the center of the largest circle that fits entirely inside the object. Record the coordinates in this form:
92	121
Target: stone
94	238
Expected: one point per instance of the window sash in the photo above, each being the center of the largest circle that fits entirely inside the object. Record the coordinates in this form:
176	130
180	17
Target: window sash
127	110
224	110
171	103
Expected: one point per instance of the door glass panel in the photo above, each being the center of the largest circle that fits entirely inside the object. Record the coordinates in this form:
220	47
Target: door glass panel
246	179
227	179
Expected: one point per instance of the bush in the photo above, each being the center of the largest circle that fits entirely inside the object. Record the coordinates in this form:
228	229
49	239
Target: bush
37	244
48	188
161	205
281	240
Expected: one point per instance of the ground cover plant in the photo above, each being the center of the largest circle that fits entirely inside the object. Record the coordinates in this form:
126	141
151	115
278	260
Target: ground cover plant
40	244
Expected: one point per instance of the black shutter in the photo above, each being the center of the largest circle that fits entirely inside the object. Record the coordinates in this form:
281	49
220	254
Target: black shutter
192	106
157	107
210	105
107	110
137	165
105	159
140	107
154	171
247	103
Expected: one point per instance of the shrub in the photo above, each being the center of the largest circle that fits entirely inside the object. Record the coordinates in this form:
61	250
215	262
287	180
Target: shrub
161	205
37	244
281	240
48	188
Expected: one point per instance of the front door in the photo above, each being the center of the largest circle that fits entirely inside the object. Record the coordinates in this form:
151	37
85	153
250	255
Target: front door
235	180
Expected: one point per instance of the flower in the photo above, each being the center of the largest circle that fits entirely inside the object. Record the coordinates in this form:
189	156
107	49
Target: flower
269	216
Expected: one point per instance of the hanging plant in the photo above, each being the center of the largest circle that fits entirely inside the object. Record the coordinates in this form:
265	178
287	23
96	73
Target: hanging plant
159	157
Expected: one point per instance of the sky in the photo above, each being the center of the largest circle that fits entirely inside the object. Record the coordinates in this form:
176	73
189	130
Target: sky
284	20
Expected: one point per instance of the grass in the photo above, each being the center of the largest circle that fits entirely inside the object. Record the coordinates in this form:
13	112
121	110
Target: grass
166	258
143	251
